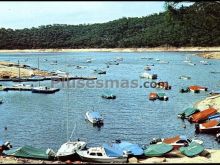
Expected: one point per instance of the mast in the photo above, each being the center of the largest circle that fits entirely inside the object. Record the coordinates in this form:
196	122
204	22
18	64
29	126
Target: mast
38	66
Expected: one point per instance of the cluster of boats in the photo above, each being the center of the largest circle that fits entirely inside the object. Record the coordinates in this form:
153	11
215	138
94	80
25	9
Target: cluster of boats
117	151
160	96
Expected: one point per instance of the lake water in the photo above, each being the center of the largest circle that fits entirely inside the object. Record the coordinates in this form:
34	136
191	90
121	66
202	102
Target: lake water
41	120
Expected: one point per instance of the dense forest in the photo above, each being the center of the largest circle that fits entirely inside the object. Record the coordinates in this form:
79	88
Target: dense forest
195	25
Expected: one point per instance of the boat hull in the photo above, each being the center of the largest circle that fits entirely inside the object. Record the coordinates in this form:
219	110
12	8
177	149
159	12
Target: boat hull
104	160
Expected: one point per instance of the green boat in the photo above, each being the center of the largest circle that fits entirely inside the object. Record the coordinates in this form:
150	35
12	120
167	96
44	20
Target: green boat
30	152
192	150
188	112
157	149
162	96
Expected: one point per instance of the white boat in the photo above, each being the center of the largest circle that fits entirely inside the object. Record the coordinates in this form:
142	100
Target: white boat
163	62
44	89
22	85
190	63
103	154
148	75
187	60
185	77
67	151
157	59
94	117
204	62
60	72
88	61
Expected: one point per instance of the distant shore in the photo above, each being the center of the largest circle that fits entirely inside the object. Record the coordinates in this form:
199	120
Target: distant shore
206	52
172	49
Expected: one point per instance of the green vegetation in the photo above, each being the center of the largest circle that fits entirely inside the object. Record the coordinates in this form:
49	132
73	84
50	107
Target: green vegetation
196	25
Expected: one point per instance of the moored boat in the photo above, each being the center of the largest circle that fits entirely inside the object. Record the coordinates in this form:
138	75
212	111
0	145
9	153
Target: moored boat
94	117
153	96
99	71
147	68
202	115
162	96
183	77
164	85
108	96
197	89
184	90
44	89
213	93
148	76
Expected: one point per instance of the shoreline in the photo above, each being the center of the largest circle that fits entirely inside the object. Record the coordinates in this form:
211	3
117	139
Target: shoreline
155	49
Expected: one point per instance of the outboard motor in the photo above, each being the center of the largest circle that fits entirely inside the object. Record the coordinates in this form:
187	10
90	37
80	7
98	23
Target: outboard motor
155	141
217	138
197	128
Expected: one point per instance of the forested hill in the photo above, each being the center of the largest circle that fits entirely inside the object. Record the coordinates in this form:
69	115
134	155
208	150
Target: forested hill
196	25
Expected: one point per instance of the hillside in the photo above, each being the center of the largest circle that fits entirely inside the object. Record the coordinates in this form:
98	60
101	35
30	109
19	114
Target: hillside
196	25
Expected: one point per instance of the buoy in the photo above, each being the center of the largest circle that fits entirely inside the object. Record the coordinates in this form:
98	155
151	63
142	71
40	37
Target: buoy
6	128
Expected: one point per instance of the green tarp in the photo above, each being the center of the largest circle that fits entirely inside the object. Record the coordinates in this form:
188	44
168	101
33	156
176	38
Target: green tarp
189	111
157	149
28	152
192	150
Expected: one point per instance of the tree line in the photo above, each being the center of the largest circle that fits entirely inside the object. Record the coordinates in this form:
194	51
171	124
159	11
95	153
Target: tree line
195	25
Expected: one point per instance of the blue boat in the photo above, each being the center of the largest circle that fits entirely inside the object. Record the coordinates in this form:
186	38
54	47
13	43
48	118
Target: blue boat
127	148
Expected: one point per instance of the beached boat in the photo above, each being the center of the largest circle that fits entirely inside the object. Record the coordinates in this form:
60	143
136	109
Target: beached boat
148	75
94	117
202	115
192	150
99	71
214	117
185	77
157	149
44	89
67	151
104	154
212	126
188	112
197	89
176	141
128	148
31	152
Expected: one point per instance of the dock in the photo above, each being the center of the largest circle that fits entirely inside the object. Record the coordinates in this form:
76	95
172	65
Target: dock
57	78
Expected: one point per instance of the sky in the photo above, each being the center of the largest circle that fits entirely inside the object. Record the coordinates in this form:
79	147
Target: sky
27	14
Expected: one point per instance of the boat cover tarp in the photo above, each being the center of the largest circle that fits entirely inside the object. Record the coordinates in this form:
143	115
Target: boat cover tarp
211	123
111	151
94	114
189	111
135	149
157	149
192	150
28	152
161	94
214	116
203	114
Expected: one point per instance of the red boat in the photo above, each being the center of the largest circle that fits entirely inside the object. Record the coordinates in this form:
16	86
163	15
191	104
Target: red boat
197	89
153	96
202	115
212	126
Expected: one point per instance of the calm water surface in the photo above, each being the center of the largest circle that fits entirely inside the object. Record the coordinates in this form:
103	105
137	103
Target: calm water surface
41	120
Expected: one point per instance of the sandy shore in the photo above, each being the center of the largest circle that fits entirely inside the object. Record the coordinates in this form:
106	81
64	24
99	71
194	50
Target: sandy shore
213	157
209	55
213	101
193	49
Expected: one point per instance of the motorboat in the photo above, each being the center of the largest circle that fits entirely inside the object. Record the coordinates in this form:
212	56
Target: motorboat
94	117
44	89
98	71
185	77
109	96
148	75
67	151
104	154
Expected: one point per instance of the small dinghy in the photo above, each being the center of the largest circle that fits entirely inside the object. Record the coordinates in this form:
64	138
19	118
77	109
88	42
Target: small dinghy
185	77
108	96
148	76
94	117
212	126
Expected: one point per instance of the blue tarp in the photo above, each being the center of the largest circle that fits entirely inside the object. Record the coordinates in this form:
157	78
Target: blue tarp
214	116
112	151
95	115
135	149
